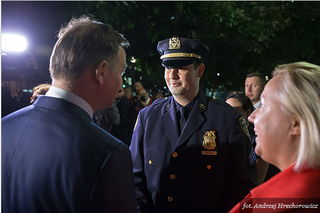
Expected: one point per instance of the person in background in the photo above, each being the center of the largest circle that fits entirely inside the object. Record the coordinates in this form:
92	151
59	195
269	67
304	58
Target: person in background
244	105
199	160
41	89
143	99
121	131
129	94
107	118
54	157
136	86
254	85
13	97
157	93
287	127
140	101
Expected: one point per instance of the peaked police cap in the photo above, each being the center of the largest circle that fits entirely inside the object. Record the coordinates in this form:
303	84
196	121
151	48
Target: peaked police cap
179	52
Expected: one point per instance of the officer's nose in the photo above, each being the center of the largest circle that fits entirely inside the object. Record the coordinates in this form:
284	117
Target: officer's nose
174	73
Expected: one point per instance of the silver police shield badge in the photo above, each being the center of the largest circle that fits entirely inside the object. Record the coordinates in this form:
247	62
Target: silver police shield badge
209	141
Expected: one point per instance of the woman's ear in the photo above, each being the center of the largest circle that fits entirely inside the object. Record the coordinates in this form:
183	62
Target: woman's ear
295	127
101	71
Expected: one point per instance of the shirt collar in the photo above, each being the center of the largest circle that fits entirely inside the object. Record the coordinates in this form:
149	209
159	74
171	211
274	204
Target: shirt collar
189	105
57	92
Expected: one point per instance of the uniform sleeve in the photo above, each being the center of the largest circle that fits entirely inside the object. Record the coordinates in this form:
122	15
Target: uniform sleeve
143	196
245	168
114	190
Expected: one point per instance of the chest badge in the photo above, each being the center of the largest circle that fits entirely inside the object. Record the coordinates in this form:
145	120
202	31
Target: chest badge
209	140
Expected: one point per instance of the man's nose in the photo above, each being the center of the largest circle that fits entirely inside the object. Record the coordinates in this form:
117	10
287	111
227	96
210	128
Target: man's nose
174	73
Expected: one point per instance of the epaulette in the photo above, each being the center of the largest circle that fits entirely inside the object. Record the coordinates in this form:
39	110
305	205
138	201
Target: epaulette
159	101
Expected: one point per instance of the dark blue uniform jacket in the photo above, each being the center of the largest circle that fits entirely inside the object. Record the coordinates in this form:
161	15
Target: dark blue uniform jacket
182	174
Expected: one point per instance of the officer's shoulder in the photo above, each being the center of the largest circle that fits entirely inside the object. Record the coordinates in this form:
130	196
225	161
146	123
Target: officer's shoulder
155	106
160	101
220	103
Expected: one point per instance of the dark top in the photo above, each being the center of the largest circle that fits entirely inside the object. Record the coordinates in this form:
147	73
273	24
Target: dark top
207	168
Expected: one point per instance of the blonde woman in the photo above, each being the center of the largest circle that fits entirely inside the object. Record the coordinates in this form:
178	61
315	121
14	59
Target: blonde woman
287	126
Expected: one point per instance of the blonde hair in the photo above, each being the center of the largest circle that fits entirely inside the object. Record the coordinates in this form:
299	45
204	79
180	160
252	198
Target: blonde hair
301	96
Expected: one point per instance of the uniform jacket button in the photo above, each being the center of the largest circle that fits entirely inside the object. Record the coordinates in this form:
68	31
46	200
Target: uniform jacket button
175	154
170	199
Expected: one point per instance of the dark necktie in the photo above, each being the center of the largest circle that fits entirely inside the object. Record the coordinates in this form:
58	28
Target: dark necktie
183	117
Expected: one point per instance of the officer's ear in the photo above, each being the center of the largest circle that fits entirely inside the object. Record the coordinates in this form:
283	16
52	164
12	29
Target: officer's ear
201	68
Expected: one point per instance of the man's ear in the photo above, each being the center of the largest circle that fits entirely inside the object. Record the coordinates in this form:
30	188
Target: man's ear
295	127
201	68
101	71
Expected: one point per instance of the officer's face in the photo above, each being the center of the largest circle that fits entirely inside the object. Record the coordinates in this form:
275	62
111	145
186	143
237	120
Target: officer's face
273	126
184	81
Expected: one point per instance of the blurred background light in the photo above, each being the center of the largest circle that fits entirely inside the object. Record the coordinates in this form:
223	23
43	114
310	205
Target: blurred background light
13	43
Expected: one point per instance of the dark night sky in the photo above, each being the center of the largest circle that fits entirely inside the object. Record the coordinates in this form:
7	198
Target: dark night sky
38	21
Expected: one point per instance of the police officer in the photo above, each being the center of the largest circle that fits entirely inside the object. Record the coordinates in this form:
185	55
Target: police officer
198	161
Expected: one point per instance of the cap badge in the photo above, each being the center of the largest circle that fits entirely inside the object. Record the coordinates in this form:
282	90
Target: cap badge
209	141
174	43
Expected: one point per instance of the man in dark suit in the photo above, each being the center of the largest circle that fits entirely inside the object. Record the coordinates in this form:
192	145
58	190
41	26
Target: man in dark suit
198	161
54	158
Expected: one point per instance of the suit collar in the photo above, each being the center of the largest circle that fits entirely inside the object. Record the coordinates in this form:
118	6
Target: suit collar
57	92
62	106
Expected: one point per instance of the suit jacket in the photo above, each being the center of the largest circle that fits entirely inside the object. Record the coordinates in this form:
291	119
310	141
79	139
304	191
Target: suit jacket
205	169
55	159
285	188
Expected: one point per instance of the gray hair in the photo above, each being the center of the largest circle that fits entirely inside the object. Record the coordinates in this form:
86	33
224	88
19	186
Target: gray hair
83	44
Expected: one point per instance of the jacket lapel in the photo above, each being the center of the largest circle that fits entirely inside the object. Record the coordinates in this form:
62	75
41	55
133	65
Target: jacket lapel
169	121
195	120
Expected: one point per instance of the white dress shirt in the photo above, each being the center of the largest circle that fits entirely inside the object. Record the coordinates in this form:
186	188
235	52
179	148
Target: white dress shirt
57	92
